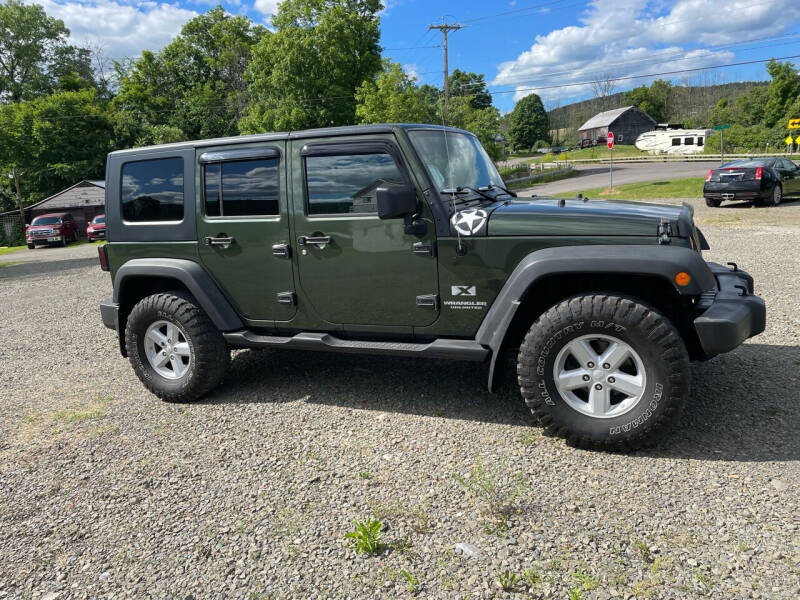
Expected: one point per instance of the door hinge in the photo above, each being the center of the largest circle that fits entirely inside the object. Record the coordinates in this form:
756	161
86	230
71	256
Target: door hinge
281	250
287	298
428	301
664	232
424	248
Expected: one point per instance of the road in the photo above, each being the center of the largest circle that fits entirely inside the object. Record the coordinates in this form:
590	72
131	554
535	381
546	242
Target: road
595	175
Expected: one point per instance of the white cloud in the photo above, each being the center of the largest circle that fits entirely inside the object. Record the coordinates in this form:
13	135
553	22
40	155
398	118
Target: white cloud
622	38
411	70
267	7
121	29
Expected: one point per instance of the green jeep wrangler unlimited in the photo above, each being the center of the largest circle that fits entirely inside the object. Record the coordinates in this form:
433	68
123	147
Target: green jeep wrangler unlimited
402	239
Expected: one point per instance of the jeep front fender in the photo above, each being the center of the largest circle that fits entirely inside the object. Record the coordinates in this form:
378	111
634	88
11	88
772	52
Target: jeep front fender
652	260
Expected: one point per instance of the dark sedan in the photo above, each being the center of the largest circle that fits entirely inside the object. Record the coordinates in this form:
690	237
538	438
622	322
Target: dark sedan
761	180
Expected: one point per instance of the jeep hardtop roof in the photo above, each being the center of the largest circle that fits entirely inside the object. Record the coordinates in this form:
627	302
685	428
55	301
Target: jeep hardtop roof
290	135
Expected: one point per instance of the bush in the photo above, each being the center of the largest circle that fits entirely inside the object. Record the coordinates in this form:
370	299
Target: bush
16	235
541	144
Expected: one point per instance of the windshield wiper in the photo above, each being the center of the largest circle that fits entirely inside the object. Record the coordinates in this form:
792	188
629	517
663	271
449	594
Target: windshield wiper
494	186
464	189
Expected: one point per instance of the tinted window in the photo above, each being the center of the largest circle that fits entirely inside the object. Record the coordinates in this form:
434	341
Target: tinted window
152	190
98	220
699	141
245	187
688	141
676	141
347	183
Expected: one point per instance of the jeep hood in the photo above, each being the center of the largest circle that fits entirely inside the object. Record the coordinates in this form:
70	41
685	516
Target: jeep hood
551	216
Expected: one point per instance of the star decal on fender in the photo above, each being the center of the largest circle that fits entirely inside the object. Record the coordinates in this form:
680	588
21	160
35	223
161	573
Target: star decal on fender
470	221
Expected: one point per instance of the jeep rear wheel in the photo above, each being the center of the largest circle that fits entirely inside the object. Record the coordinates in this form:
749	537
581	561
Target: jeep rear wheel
713	202
604	372
175	349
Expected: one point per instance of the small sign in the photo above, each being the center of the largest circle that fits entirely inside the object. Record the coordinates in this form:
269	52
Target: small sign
789	140
610	139
794	123
721	127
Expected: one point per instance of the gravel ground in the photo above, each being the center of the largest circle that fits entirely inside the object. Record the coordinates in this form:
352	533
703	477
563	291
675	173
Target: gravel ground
107	492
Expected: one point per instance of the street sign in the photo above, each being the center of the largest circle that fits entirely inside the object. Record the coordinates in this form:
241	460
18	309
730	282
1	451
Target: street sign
789	140
794	123
721	127
610	139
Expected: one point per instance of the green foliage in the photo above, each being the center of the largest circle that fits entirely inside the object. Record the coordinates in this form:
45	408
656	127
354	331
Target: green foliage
15	236
783	91
532	577
393	98
195	85
507	581
412	581
653	100
366	538
499	499
306	74
528	122
472	86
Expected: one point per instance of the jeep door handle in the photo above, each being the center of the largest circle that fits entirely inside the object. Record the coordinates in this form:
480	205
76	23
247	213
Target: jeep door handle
320	241
223	242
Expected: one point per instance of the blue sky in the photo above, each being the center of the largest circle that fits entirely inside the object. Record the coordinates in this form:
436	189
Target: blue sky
553	47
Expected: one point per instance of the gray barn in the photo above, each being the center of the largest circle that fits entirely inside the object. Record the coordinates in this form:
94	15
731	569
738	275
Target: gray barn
627	123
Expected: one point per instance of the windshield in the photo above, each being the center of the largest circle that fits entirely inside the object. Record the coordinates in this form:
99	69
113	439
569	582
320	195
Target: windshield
46	221
97	220
454	159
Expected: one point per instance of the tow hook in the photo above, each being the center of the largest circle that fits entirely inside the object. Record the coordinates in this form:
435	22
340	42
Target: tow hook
742	288
734	265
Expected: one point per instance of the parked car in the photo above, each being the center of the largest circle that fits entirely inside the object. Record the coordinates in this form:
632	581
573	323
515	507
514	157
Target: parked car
96	230
403	240
587	143
765	181
49	229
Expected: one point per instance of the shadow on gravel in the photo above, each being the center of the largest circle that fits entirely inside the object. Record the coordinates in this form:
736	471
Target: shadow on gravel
27	269
744	405
784	202
427	387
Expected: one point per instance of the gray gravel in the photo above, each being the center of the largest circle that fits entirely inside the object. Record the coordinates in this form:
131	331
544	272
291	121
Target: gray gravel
107	492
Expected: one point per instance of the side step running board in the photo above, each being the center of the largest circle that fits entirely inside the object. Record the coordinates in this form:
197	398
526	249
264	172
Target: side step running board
441	348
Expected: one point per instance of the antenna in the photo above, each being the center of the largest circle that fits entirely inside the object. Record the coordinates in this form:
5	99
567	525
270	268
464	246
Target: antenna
446	28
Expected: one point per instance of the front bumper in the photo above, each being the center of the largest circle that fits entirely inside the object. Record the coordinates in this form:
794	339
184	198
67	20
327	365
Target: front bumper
733	315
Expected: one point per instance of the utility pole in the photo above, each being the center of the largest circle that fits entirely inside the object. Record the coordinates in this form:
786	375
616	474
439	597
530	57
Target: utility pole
446	28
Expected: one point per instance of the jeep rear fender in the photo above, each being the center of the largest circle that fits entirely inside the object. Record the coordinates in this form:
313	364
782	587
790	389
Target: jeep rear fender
660	261
193	277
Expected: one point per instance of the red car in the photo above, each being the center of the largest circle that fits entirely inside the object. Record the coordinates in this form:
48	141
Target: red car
96	230
53	228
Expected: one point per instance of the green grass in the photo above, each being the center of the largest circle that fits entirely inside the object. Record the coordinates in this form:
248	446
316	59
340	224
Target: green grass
10	249
596	152
678	188
8	264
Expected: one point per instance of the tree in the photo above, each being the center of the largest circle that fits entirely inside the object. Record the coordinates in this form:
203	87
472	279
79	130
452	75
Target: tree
470	85
485	123
51	142
195	84
392	97
35	57
528	122
784	89
307	72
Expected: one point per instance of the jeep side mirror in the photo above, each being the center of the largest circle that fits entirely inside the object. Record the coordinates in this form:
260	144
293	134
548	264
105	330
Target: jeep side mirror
395	200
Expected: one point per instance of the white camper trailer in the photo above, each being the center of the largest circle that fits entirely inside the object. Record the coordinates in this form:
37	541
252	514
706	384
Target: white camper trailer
673	141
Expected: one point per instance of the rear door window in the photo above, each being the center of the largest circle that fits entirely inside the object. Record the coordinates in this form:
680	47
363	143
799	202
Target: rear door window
242	188
152	190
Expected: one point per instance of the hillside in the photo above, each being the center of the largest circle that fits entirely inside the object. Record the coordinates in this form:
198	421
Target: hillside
691	105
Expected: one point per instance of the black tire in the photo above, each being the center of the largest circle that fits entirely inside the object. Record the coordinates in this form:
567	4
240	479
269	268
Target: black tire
646	331
777	195
210	354
31	246
63	242
713	202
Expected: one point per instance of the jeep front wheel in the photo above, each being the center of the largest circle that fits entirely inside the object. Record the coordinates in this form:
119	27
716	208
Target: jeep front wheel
604	372
175	349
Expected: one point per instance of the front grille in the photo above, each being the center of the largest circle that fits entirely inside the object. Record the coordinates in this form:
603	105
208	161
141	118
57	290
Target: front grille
42	232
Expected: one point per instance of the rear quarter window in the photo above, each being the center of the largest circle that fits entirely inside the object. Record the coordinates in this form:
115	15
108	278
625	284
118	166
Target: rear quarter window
152	190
